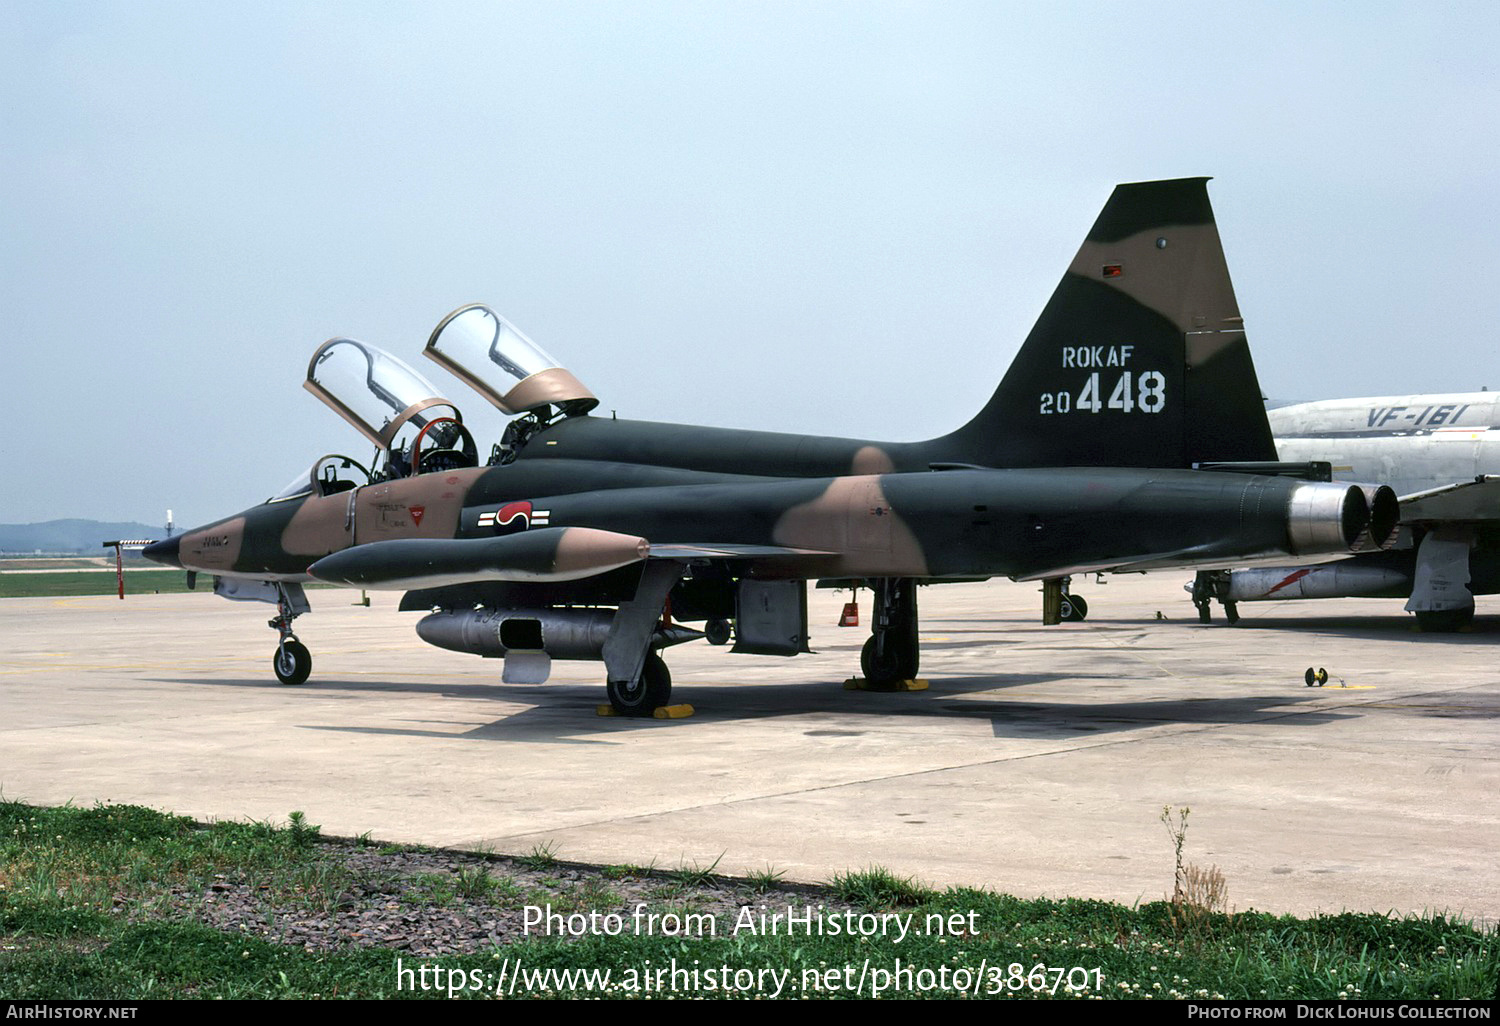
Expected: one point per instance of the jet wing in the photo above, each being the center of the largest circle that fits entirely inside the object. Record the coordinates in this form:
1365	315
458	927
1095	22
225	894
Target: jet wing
1203	557
544	554
1478	499
711	551
547	554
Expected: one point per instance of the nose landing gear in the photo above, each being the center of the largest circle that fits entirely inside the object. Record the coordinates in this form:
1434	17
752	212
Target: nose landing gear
292	661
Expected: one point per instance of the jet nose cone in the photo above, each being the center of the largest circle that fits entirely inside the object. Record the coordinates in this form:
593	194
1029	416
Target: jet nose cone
164	551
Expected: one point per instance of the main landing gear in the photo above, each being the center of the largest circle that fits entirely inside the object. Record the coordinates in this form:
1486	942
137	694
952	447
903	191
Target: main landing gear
1073	608
1444	621
292	661
638	682
647	693
892	653
1209	585
1059	605
1441	593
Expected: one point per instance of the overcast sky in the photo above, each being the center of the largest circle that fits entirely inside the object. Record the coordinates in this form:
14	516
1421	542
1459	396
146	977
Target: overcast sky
831	218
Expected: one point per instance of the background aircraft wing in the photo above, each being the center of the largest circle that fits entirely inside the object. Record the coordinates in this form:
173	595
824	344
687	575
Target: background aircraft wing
1478	499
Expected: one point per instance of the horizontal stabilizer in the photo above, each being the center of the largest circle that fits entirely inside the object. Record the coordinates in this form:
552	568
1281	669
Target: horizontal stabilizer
545	554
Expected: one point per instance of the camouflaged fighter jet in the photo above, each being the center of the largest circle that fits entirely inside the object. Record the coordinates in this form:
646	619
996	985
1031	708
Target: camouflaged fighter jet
1441	454
590	538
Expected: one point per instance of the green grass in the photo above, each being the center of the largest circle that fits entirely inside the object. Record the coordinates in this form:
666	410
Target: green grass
541	856
695	875
67	562
69	876
878	887
137	582
86	582
765	879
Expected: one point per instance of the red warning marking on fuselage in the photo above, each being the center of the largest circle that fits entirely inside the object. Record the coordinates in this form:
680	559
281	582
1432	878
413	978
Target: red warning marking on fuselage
417	512
1291	578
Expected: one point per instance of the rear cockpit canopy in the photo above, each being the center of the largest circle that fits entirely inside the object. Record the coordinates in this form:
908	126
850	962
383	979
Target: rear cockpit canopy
490	355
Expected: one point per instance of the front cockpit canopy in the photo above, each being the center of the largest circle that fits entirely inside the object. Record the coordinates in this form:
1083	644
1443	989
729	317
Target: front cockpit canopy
492	356
374	391
329	475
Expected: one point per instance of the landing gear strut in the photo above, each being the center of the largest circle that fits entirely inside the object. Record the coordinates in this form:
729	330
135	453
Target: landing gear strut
1209	585
1059	605
292	661
637	680
892	653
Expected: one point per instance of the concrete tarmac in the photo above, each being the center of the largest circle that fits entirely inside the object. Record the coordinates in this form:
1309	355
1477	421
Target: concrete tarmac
1038	762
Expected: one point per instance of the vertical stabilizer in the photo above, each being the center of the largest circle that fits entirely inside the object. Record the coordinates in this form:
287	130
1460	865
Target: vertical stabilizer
1139	358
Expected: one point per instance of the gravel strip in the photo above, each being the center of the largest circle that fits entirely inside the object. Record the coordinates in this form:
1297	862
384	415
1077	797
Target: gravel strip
435	902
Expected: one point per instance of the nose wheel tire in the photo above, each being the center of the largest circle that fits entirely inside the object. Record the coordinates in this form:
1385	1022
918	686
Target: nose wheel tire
292	662
645	696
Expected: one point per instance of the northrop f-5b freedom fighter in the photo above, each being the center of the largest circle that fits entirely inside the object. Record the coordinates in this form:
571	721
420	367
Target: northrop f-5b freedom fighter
1128	434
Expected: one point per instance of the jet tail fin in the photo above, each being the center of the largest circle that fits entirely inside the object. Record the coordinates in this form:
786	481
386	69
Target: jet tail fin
1138	359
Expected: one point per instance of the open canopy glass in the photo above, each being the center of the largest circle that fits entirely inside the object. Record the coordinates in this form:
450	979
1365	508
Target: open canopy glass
373	390
492	356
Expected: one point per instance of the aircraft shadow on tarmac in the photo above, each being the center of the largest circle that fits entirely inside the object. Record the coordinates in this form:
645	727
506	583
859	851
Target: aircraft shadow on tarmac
1382	627
564	713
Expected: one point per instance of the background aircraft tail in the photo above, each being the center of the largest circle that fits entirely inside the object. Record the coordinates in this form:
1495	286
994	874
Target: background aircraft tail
1139	358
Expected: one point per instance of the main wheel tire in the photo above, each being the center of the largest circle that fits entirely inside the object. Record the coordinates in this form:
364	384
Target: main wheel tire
1445	621
646	695
717	632
899	661
292	662
1074	608
871	666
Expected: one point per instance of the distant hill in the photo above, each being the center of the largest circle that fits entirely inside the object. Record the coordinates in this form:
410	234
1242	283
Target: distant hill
70	536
